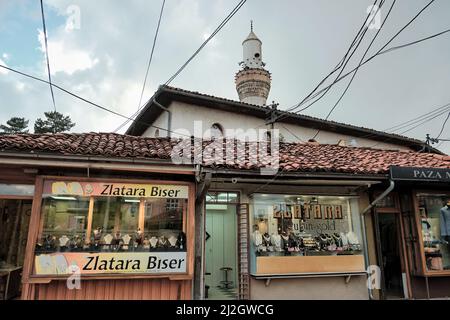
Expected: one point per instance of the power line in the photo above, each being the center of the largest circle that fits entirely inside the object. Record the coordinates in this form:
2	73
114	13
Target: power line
219	27
151	53
425	120
87	101
379	52
46	54
360	61
148	68
339	65
418	119
443	126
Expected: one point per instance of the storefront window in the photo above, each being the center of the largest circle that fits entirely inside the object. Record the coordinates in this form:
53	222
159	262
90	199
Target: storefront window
64	223
285	225
114	222
434	211
16	189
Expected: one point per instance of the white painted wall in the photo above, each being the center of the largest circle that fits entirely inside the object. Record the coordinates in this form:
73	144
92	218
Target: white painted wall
184	115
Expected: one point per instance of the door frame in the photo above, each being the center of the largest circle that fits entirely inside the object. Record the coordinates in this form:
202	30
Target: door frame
404	265
237	204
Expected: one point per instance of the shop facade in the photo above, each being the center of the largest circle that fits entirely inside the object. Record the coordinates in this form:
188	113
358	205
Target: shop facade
376	237
77	227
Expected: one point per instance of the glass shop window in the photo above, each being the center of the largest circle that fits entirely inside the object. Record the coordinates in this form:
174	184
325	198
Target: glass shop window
434	211
114	221
300	225
111	224
163	224
64	223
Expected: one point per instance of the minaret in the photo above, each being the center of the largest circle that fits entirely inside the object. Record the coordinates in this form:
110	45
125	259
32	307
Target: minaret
253	81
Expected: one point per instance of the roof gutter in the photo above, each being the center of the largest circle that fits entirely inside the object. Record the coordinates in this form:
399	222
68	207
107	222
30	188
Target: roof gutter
122	165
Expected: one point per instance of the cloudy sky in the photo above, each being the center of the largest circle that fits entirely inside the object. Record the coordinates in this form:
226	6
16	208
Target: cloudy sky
104	55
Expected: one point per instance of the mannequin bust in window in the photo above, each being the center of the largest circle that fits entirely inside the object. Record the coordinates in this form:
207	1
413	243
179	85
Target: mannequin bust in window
146	243
126	241
445	222
97	234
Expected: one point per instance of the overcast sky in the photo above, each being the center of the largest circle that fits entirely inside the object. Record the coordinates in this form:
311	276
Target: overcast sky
104	57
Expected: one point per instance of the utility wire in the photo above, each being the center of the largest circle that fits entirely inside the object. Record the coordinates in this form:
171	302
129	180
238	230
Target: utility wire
360	61
148	68
358	34
86	100
412	128
151	53
219	27
46	55
379	52
443	126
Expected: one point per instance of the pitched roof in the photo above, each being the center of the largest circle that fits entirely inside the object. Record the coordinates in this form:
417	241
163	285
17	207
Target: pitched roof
166	94
294	157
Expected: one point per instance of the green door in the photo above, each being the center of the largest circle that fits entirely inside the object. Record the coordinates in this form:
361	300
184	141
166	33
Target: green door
220	248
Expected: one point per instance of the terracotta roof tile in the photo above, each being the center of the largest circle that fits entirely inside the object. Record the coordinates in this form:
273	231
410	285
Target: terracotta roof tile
301	157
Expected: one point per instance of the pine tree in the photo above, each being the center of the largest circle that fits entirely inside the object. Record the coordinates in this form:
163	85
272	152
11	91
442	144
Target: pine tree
55	122
14	125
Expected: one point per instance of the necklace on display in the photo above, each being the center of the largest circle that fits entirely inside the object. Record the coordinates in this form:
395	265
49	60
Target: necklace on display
257	238
173	241
153	242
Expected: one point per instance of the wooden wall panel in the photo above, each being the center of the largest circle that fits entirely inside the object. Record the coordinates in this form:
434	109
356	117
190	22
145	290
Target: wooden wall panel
133	289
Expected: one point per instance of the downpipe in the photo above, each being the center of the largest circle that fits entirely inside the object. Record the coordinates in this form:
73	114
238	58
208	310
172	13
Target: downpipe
363	224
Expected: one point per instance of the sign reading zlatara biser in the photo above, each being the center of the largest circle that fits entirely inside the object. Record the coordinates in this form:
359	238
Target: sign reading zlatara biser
91	263
110	189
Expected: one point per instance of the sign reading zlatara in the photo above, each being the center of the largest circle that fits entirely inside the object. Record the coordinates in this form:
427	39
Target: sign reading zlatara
91	263
111	189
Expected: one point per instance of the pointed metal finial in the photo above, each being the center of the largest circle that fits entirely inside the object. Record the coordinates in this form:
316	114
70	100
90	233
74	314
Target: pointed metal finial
251	25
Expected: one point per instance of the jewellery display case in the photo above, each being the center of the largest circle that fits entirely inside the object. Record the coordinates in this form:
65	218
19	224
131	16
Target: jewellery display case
434	230
293	234
112	228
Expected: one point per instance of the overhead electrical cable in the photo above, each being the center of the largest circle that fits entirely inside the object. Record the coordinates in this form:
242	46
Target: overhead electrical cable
219	27
46	55
148	67
360	61
379	52
87	101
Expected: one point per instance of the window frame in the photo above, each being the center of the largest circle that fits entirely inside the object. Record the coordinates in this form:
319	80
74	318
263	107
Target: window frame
35	228
423	271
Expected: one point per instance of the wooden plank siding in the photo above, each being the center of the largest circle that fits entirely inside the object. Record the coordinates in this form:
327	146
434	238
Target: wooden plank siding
123	289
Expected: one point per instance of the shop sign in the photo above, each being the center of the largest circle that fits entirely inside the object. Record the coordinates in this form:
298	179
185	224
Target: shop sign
420	174
61	263
111	189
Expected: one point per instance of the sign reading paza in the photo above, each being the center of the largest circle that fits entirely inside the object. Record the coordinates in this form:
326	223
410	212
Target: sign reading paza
95	263
420	174
111	189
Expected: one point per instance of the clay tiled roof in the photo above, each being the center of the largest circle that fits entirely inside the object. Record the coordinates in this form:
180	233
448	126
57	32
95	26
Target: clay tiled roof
294	157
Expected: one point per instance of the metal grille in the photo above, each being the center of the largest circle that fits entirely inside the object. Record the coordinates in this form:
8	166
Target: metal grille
243	251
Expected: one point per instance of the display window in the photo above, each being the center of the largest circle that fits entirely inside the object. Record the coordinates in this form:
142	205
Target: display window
304	226
434	224
111	228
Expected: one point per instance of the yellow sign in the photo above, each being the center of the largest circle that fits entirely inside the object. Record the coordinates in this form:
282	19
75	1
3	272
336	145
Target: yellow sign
111	189
64	263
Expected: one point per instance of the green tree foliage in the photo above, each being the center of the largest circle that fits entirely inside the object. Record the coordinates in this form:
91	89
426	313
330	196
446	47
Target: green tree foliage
14	125
55	122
